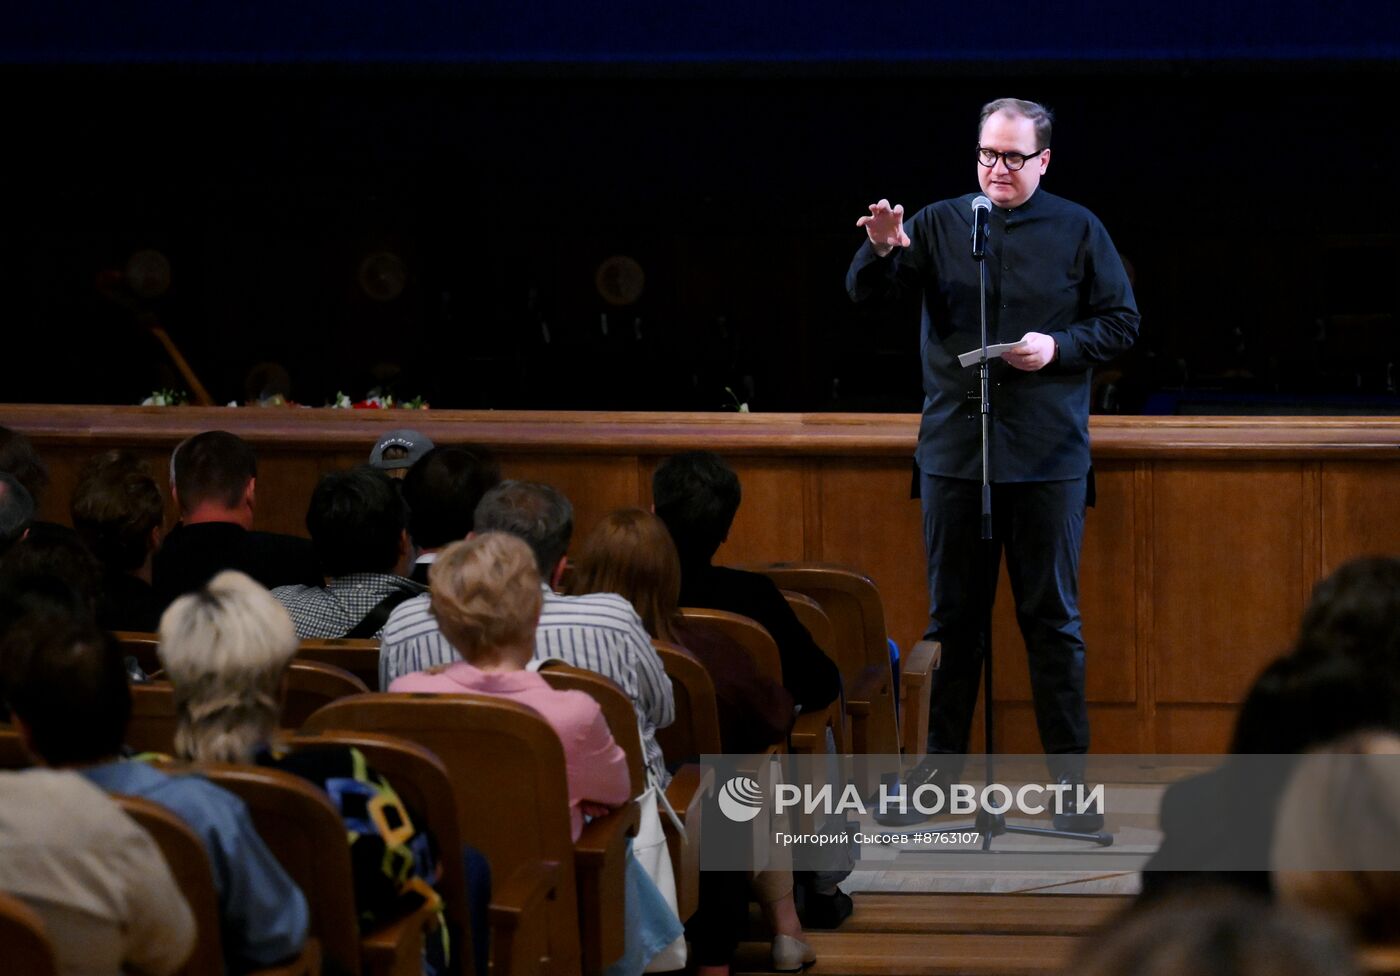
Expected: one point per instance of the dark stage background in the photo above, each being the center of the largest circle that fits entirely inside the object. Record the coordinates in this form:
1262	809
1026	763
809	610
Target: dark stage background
478	162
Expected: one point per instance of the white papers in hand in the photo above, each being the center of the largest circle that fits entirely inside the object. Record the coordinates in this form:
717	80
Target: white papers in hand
975	356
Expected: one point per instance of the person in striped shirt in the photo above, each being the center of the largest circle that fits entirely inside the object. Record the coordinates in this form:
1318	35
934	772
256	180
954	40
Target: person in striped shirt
599	632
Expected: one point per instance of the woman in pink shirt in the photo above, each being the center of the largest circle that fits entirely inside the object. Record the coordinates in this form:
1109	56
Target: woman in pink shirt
486	595
487	598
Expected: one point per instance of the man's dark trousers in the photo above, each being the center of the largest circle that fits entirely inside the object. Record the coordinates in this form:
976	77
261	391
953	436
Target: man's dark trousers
1040	525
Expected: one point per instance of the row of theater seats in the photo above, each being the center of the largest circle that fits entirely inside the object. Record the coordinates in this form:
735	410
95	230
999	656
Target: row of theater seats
491	773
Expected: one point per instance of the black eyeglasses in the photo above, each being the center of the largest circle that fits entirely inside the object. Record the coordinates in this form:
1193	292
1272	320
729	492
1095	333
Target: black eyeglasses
1013	160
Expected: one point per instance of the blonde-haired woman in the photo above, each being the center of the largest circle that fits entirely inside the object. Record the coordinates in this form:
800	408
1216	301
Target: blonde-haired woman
630	552
486	595
225	648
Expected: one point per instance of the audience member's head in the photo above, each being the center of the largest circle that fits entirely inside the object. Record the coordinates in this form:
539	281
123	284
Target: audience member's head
117	510
697	496
1215	935
534	512
442	491
357	521
68	688
16	511
486	597
225	649
1338	818
1300	702
18	458
27	602
1356	612
399	450
631	553
53	555
212	477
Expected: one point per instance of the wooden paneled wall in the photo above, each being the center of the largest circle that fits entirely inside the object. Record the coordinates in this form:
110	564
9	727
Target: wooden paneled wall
1207	538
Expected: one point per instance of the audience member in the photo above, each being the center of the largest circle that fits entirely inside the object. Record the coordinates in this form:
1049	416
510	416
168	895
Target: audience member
225	648
16	511
1338	836
56	555
486	596
358	525
19	459
697	495
1217	827
118	512
631	553
213	481
600	632
70	697
397	451
96	880
442	490
1215	935
1356	611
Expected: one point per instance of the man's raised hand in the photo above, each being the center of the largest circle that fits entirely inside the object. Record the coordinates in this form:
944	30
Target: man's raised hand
885	227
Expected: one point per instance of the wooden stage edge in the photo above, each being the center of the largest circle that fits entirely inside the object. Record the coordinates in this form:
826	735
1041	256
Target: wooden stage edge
1207	538
791	434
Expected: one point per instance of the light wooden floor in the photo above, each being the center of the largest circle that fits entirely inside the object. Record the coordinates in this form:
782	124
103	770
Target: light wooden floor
922	934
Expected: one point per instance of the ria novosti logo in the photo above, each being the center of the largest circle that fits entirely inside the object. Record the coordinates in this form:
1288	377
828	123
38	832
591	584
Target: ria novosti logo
741	799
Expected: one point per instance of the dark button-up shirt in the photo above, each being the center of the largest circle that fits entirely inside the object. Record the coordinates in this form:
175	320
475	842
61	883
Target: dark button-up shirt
1051	268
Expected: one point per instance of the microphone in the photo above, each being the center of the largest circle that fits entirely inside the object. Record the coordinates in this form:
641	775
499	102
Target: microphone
981	215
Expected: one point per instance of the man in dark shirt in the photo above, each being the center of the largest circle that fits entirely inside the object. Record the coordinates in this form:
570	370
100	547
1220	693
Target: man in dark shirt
213	477
1057	288
442	490
118	512
697	496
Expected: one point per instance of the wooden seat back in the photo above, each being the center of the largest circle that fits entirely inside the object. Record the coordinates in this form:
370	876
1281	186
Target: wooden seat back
358	656
851	601
27	948
189	863
152	725
808	733
422	783
745	631
310	684
695	732
306	835
140	645
507	770
13	754
617	708
811	615
858	644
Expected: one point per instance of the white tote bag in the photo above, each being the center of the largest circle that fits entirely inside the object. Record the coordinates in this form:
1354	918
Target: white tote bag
649	848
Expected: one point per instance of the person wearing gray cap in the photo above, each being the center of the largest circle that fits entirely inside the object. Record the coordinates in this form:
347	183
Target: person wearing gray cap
398	450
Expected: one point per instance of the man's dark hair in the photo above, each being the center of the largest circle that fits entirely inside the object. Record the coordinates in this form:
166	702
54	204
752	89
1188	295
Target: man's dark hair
212	466
356	519
696	495
1356	612
1300	702
16	511
116	506
18	458
1041	117
442	491
537	513
57	555
65	679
